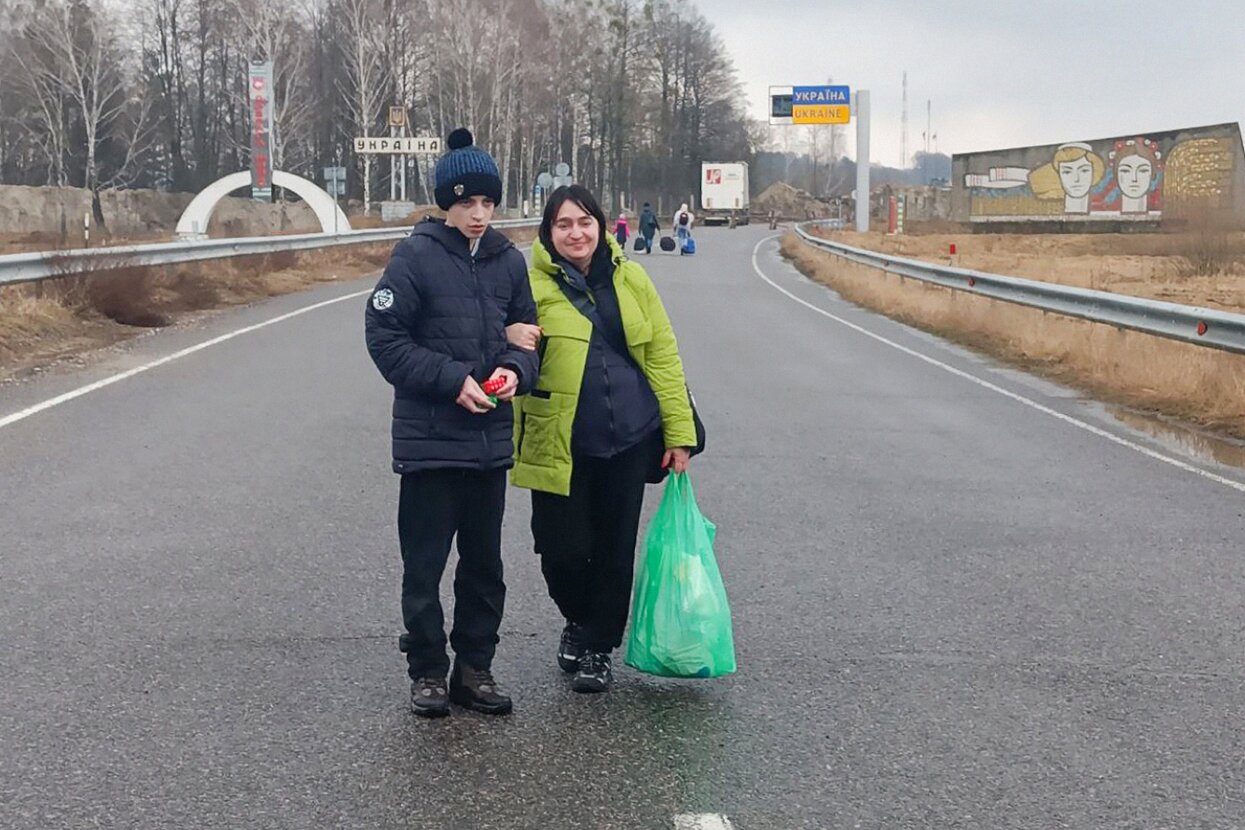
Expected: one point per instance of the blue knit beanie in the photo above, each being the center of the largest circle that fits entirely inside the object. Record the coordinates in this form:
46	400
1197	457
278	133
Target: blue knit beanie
465	171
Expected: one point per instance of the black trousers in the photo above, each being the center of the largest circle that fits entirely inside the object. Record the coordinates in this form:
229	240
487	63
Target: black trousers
586	542
433	507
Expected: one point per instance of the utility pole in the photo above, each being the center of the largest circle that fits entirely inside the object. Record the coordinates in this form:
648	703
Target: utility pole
928	105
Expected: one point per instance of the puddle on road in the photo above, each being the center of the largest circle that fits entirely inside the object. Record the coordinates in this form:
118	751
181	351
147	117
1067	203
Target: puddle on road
1186	440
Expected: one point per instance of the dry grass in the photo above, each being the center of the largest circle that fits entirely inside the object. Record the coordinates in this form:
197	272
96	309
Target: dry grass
1203	267
43	322
1186	381
46	321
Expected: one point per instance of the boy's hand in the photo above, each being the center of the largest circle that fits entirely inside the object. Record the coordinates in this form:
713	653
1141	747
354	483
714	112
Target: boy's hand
473	399
512	381
523	336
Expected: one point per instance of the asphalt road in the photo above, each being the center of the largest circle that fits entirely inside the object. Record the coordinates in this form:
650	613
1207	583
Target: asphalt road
953	608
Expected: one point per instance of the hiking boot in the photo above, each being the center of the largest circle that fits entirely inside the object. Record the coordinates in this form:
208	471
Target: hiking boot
429	698
595	674
476	689
570	647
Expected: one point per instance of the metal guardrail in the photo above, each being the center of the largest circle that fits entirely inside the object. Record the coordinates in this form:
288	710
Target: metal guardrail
1191	324
42	265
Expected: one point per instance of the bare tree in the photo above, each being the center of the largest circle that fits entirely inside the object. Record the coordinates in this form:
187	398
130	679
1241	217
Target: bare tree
365	73
632	93
82	63
41	82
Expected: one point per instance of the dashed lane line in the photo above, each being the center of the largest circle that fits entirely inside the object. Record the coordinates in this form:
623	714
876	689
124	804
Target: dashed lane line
702	821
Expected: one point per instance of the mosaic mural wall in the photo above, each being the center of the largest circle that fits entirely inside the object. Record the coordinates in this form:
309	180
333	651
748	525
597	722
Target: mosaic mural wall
1187	174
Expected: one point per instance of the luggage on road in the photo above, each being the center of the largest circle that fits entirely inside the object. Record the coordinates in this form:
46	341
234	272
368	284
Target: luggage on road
639	244
667	243
689	246
680	618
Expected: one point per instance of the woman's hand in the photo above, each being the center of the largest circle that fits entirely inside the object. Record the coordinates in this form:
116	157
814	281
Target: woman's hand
523	336
676	459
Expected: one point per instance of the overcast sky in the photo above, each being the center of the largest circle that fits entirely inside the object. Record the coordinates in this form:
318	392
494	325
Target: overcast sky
1000	73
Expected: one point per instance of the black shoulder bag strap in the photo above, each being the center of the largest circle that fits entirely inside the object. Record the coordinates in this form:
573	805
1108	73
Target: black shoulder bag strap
585	306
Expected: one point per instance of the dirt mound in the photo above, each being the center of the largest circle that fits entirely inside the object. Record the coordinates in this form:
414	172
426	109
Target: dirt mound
790	203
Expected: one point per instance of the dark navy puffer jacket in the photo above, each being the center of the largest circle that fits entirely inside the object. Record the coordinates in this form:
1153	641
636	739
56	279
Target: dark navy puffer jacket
437	315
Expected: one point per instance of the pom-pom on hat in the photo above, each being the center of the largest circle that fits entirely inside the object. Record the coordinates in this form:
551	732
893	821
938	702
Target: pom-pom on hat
465	171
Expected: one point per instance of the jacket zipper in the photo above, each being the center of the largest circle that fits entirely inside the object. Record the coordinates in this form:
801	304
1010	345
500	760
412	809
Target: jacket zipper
475	278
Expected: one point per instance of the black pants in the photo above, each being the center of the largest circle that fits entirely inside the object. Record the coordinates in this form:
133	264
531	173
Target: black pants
434	505
586	542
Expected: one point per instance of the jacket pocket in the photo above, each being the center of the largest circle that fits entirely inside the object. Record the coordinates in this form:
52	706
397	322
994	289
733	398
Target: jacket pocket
546	429
415	419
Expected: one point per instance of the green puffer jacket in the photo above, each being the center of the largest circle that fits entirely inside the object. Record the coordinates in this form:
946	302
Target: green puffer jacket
543	418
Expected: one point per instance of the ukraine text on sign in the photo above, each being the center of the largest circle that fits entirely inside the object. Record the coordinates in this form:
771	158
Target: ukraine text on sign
820	95
398	146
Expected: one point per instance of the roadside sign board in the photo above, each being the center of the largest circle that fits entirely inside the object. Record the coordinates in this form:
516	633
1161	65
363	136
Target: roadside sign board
408	146
810	105
332	173
821	105
260	91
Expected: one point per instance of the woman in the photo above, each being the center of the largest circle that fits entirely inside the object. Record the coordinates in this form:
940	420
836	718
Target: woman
610	405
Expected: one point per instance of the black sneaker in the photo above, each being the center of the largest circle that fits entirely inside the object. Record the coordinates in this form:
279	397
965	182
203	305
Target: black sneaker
429	698
595	674
570	647
476	689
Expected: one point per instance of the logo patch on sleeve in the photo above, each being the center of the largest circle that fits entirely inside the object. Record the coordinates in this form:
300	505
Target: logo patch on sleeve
382	299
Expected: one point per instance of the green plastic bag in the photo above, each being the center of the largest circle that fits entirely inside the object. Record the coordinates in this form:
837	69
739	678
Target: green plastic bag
680	619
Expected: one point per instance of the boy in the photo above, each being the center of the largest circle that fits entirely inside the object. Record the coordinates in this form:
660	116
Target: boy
436	330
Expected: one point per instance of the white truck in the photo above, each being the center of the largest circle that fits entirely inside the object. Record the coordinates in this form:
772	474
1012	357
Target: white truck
723	193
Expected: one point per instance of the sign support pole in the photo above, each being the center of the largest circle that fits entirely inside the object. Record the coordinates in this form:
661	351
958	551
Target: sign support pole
862	160
337	186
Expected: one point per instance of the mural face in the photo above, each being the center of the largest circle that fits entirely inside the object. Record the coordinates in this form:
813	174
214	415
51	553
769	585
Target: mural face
1134	174
1077	177
1127	179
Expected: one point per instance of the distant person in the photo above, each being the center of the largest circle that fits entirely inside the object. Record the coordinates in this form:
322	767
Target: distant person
611	407
683	221
621	231
436	329
648	226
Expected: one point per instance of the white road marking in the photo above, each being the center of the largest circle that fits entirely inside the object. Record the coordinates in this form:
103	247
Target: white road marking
109	381
1076	422
702	821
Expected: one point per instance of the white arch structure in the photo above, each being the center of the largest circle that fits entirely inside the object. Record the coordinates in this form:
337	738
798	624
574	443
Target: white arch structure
194	221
